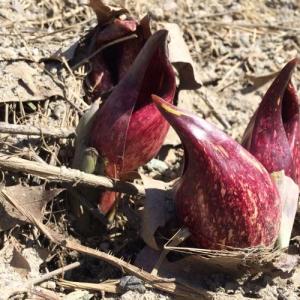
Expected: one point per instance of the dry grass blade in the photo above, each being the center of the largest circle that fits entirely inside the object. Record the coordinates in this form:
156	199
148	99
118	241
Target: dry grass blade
120	40
63	174
31	130
157	282
253	25
109	286
30	283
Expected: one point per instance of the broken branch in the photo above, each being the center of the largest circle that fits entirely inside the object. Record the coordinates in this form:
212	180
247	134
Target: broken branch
40	131
163	284
64	174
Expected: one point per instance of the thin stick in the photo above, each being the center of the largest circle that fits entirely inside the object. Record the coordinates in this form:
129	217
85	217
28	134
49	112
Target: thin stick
226	12
54	273
109	286
176	288
32	130
212	107
181	235
28	285
251	25
120	40
226	76
63	174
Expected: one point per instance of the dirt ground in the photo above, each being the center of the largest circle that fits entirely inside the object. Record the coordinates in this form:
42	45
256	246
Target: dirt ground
235	45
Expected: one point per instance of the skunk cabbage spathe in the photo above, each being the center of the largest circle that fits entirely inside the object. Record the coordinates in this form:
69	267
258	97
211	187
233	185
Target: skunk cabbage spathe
110	65
128	129
225	197
273	134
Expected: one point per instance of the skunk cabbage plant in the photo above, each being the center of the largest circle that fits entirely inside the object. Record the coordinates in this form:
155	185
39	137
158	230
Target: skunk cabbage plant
225	197
128	129
273	134
120	42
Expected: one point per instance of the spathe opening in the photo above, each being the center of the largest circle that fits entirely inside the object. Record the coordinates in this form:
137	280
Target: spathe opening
158	80
290	105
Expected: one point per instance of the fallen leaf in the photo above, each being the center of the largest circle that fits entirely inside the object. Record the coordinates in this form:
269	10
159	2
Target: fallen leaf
105	11
286	262
158	209
32	198
20	263
21	82
289	193
181	59
260	80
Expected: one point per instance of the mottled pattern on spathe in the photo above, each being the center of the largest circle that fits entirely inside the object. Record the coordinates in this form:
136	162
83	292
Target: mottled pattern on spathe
273	134
129	130
225	196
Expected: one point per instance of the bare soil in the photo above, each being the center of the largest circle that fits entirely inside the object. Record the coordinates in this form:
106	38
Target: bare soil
234	45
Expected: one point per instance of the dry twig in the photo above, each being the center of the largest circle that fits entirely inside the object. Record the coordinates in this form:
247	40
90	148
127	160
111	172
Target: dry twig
30	283
63	174
109	286
176	288
117	41
32	130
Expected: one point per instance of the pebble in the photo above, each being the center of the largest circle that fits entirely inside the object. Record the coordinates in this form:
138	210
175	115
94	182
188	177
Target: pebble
132	283
157	13
157	165
51	285
170	6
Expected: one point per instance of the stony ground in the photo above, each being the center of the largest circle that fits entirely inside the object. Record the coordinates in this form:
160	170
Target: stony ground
236	47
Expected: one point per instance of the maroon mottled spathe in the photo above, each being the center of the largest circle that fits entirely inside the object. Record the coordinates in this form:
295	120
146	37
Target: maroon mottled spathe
110	65
273	134
225	196
129	130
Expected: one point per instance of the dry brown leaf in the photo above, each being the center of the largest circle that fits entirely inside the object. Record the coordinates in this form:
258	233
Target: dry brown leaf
181	59
286	262
158	209
21	82
173	287
105	10
260	80
289	193
32	198
20	263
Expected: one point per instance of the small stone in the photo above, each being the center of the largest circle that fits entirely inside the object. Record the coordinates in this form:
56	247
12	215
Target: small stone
51	285
170	6
132	283
157	13
157	165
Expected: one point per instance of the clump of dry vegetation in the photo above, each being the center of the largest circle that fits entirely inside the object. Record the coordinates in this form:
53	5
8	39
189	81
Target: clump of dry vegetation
236	48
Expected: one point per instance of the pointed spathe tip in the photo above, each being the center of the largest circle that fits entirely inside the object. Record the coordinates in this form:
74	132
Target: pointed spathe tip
279	85
286	73
165	107
295	61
